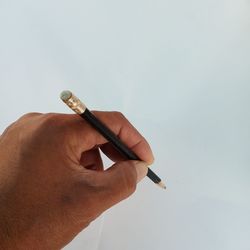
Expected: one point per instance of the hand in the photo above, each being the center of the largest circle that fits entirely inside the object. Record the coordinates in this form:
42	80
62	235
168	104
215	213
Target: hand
52	181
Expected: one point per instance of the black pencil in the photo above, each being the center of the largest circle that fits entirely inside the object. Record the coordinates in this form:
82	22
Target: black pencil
76	105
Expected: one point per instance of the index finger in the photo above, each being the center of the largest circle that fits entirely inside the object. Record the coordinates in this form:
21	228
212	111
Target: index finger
88	137
128	134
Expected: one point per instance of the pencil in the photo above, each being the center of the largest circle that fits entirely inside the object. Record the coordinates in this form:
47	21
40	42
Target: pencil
78	107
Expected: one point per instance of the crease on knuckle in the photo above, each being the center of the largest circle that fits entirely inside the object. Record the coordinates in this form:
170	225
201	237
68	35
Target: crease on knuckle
119	115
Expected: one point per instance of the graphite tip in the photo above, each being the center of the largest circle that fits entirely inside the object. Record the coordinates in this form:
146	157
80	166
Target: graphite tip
162	185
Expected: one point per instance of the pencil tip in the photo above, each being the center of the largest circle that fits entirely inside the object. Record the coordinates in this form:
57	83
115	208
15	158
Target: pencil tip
162	185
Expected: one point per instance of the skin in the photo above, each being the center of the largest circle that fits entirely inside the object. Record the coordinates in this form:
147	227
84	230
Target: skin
52	181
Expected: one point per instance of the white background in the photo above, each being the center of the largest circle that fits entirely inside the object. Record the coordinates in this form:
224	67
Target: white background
180	71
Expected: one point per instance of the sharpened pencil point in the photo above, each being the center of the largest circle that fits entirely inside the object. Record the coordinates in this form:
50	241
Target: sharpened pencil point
162	185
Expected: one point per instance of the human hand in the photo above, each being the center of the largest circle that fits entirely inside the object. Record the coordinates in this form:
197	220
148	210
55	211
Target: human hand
52	181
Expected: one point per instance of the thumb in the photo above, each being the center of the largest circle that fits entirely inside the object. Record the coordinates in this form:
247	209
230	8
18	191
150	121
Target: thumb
119	181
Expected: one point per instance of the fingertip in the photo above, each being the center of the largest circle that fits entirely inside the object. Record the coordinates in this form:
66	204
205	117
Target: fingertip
151	161
148	155
141	168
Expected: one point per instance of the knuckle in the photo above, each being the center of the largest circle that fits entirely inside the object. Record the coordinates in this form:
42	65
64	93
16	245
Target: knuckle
30	115
50	122
50	118
9	129
48	128
119	115
21	126
42	124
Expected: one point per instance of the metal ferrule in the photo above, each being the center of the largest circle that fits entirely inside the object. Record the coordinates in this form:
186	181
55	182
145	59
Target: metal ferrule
73	102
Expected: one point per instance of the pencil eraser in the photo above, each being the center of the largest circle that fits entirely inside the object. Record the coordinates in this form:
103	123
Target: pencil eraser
65	95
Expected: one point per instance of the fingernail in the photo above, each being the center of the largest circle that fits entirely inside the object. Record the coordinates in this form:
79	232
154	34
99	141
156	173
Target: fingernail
141	170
